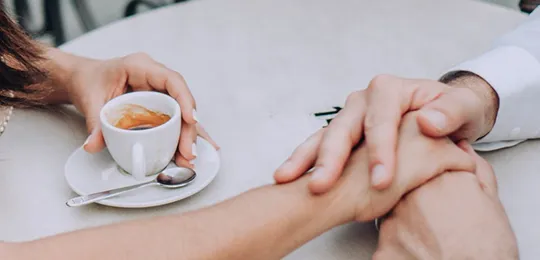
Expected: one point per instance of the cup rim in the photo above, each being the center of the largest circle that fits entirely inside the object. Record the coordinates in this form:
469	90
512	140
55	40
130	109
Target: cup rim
112	102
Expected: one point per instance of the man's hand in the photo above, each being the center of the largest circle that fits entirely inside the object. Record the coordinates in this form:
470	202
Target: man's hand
465	108
455	216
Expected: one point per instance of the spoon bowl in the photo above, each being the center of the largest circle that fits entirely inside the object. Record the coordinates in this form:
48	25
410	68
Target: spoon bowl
178	177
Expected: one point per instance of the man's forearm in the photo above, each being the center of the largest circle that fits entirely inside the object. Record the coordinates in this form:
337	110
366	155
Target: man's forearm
264	223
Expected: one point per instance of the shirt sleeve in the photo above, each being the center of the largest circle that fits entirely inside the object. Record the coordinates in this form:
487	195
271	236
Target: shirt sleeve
512	68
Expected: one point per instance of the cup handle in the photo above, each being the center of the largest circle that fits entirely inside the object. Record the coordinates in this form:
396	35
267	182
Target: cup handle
138	169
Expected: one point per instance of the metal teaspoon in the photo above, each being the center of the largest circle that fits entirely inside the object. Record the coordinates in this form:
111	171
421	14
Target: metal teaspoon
170	178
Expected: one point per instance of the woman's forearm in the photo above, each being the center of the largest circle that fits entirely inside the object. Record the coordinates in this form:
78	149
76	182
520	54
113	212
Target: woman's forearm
264	223
59	66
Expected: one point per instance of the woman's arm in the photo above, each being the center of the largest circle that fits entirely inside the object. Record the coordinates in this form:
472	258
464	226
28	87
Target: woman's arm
264	223
59	66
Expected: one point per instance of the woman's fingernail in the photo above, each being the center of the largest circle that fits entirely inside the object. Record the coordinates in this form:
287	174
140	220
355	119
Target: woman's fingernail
436	118
87	140
192	162
317	175
378	173
194	113
194	149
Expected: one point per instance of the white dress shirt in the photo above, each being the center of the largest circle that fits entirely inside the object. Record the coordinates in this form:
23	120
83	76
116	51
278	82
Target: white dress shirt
512	68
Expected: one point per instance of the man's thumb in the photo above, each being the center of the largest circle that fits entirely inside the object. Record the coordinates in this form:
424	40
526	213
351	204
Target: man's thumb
446	114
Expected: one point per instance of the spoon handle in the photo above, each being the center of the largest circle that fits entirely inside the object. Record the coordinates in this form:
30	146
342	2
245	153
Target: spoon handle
91	198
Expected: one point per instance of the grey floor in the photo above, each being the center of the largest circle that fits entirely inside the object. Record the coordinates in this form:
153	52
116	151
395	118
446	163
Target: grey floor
107	11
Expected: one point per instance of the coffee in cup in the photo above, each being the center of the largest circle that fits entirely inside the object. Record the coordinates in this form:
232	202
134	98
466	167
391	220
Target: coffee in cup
141	131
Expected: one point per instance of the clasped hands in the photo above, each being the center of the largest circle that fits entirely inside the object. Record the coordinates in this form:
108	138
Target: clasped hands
441	197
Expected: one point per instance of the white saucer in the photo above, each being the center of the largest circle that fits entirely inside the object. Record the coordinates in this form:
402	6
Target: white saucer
88	173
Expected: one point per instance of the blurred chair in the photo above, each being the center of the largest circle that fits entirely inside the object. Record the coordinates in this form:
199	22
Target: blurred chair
87	20
52	14
134	5
52	19
528	6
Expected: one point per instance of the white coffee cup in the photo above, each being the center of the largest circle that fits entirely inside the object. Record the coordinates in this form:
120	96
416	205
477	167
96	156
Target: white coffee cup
142	152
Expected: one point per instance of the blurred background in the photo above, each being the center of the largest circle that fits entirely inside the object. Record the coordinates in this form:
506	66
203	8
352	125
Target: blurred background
58	21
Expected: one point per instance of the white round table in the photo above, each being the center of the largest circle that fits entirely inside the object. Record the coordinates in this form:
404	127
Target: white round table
259	70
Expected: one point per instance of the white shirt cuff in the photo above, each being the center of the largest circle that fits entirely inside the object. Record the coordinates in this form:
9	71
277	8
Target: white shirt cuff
515	75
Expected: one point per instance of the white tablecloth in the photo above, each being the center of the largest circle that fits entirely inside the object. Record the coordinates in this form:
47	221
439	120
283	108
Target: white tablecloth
258	70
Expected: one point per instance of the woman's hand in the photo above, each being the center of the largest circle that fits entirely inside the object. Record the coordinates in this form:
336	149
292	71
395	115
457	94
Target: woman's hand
92	83
465	108
419	159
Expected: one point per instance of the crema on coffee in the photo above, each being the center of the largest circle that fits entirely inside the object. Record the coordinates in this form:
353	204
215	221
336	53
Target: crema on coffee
136	117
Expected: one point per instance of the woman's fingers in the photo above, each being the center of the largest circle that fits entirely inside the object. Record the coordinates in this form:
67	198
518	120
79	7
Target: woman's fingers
94	142
484	171
144	73
187	145
343	133
182	162
202	133
301	160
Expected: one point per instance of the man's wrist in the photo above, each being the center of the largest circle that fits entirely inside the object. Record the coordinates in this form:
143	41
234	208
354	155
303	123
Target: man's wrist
482	89
430	213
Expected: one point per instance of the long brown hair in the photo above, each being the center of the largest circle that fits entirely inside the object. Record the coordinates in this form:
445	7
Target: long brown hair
20	57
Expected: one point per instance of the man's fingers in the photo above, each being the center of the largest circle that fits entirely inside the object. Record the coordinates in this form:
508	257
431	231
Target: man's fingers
187	145
388	99
484	170
343	133
448	113
301	159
